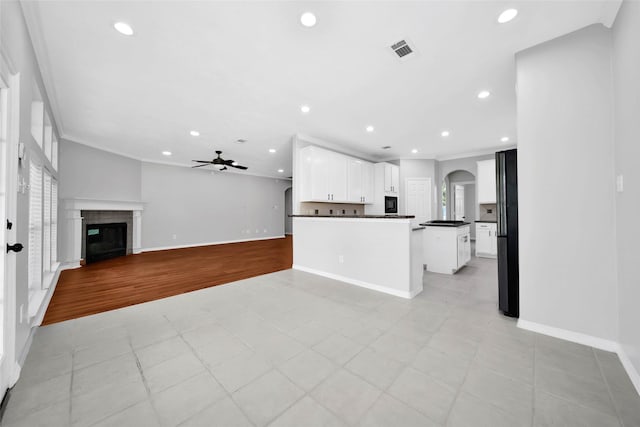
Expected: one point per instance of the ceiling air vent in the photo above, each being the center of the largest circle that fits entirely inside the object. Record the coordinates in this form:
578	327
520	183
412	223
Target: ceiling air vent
386	147
402	49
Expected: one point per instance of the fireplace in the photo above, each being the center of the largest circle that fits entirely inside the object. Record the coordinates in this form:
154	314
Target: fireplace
104	241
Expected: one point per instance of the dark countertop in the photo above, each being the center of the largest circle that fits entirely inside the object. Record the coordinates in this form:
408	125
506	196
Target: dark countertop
445	224
490	222
417	228
355	216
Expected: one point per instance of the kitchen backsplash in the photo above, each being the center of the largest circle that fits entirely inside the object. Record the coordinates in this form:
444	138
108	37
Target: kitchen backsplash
337	209
488	212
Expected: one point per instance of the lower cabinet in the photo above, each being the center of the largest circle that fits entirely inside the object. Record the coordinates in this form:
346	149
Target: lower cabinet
486	240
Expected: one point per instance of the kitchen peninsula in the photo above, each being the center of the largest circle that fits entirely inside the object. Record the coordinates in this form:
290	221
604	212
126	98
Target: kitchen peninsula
378	252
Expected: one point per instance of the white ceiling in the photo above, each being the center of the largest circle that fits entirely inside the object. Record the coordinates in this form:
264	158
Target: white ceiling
242	69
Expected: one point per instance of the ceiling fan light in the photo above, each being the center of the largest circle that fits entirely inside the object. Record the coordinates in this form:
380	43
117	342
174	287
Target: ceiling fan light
219	167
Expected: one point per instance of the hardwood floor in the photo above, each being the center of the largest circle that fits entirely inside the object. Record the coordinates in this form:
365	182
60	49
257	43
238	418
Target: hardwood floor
134	279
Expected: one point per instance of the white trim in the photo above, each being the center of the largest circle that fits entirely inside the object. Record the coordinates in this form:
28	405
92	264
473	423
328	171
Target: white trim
634	376
388	220
362	284
564	334
195	245
70	265
101	205
39	315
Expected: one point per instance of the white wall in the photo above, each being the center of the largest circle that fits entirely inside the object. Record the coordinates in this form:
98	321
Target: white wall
626	66
18	52
566	184
89	173
199	206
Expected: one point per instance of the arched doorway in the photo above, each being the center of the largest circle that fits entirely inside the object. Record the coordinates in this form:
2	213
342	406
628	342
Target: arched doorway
458	197
288	209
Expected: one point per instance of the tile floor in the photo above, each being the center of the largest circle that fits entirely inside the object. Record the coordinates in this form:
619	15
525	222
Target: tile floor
294	349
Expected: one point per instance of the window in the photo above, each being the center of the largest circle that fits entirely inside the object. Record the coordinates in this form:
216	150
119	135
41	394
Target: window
35	229
43	233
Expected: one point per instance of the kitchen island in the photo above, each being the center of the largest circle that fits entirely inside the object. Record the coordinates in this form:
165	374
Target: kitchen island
447	245
378	252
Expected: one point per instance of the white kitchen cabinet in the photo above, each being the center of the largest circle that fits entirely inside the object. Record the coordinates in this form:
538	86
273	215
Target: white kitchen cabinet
391	179
360	180
486	240
446	249
486	181
324	175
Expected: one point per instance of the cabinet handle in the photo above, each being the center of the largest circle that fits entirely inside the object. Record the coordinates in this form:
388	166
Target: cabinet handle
328	196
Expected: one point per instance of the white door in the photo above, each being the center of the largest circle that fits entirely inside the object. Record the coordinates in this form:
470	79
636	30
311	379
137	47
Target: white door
367	182
483	240
458	203
354	193
418	201
9	108
337	170
395	179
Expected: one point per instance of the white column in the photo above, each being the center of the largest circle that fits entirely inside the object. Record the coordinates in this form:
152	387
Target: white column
74	238
136	245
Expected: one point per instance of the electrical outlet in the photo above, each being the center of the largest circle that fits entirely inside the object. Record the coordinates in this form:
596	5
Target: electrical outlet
265	230
174	236
341	259
620	183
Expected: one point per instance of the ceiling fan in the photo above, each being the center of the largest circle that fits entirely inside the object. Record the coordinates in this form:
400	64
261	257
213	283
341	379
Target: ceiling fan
219	163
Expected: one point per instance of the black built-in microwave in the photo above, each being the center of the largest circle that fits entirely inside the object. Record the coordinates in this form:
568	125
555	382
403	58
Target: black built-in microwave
390	205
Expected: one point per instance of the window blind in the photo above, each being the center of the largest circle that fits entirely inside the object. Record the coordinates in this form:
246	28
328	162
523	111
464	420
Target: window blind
46	229
35	227
54	222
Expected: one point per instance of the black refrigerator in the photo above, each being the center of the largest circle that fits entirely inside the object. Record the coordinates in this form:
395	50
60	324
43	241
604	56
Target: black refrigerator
507	210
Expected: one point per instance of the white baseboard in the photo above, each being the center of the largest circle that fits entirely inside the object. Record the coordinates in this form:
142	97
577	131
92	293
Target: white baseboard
362	284
564	334
584	339
70	265
634	376
37	319
195	245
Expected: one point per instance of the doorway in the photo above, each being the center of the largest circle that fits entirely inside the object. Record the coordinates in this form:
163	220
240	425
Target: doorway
288	210
458	198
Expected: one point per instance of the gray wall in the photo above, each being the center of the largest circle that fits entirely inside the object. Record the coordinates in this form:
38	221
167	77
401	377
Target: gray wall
626	66
185	206
16	47
89	173
566	165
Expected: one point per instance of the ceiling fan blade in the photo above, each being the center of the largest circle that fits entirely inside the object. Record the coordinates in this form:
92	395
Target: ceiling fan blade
228	162
202	161
199	166
239	167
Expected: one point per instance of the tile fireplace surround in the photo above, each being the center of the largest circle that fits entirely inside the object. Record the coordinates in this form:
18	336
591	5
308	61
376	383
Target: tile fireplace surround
73	225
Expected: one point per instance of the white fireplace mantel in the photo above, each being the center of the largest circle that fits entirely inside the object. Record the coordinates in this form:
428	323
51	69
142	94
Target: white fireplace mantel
73	216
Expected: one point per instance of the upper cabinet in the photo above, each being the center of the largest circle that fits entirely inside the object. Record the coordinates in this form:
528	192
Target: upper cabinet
391	179
486	181
360	181
324	175
327	176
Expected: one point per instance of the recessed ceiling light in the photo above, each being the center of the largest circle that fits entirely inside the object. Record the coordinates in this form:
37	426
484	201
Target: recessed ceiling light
240	141
305	109
194	133
308	19
484	94
281	170
272	150
166	153
123	28
414	151
445	133
507	15
369	128
504	139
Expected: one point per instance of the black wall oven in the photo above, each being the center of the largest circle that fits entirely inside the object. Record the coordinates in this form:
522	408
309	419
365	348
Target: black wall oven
390	205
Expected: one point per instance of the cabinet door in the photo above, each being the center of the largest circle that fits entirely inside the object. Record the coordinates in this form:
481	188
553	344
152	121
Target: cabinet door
486	181
320	164
367	182
493	240
483	241
388	177
337	170
395	179
355	181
